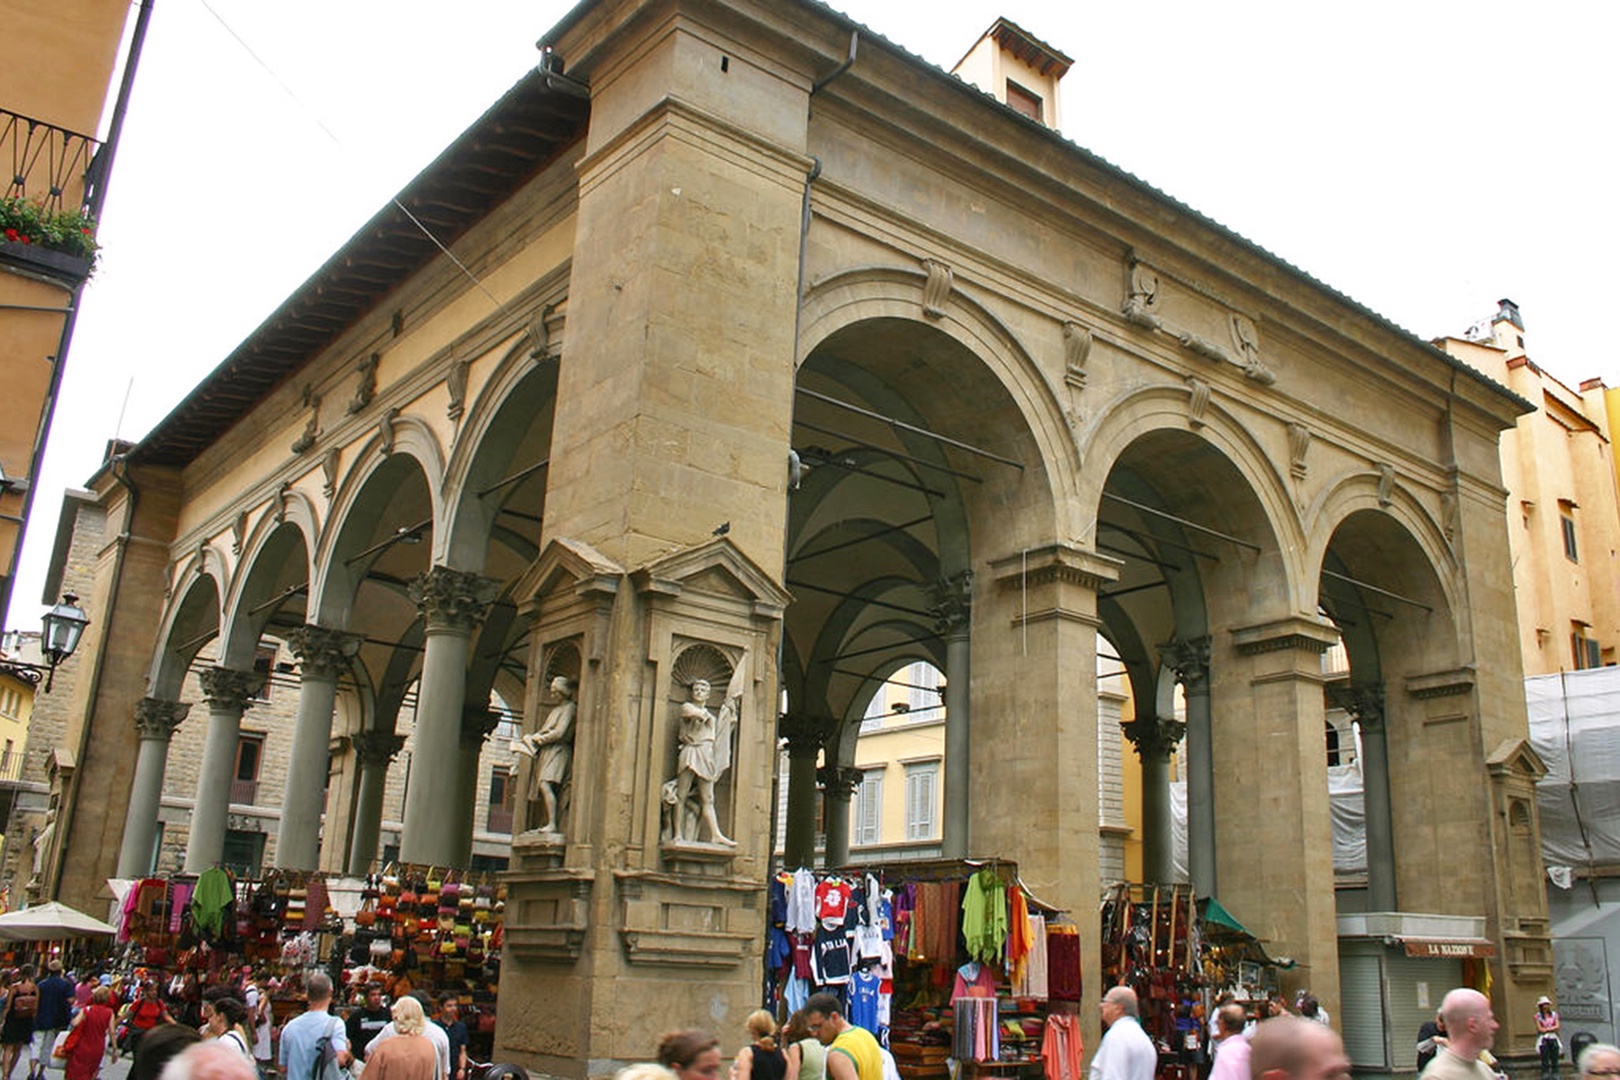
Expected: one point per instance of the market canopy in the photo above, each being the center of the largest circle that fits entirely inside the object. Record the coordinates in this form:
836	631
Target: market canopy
50	922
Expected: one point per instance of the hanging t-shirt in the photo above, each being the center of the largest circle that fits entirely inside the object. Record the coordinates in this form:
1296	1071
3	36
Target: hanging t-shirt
832	957
863	1001
801	905
833	898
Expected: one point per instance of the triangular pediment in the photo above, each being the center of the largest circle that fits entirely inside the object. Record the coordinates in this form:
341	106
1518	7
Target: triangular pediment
717	567
1515	757
566	564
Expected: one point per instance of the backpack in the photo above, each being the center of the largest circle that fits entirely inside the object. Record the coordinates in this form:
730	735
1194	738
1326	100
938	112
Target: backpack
326	1064
25	1000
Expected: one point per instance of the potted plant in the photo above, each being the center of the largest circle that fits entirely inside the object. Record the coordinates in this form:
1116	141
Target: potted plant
60	243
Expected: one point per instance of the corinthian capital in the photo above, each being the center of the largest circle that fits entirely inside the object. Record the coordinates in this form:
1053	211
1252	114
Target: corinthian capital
376	747
1189	657
1155	737
839	781
321	651
805	734
477	721
953	603
157	719
453	599
229	689
1363	701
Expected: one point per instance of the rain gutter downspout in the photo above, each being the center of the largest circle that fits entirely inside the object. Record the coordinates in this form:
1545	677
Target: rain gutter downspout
798	314
101	168
68	810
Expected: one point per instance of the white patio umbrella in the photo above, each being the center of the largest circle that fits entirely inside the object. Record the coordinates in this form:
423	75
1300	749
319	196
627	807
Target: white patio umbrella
50	922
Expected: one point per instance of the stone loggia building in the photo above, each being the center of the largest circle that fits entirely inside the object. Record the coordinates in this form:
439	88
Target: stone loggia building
769	357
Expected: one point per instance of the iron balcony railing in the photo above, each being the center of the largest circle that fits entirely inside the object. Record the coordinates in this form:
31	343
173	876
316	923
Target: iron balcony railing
49	164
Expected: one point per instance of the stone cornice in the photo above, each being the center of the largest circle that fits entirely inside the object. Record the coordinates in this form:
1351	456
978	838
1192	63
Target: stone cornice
1441	684
1055	563
1292	632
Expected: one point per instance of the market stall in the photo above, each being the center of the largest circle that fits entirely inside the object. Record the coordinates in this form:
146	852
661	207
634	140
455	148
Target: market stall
949	960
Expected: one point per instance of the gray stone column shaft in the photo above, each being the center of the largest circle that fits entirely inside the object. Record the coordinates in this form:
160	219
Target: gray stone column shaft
958	743
298	845
156	721
453	604
1380	824
433	815
227	692
1158	854
836	852
1200	789
476	725
375	750
322	655
799	845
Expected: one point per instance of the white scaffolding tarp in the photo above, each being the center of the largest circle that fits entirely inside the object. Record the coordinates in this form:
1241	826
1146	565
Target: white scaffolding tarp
1575	718
1345	805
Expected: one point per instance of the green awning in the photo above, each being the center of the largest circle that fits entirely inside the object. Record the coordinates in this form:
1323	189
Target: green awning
1211	911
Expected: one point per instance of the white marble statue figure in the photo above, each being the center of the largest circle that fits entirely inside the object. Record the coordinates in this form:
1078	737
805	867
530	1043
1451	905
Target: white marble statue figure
705	755
552	748
42	842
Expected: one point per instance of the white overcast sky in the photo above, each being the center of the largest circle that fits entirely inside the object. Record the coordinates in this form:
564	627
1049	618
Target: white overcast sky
1424	157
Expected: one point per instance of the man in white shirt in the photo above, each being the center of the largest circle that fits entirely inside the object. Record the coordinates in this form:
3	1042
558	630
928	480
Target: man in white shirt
432	1032
1125	1052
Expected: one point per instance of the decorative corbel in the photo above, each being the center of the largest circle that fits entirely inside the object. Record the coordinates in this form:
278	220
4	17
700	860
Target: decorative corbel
385	431
1299	443
1076	349
937	289
329	472
1197	401
455	383
1386	485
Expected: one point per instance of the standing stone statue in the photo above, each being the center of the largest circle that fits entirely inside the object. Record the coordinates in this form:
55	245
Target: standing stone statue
552	747
705	755
42	843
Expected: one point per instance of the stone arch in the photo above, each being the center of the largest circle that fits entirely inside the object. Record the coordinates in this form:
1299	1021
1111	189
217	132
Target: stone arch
193	619
1359	492
367	496
868	293
521	392
276	562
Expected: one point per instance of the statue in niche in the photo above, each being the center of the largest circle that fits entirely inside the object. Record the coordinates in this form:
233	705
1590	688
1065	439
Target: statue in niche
42	843
704	757
552	748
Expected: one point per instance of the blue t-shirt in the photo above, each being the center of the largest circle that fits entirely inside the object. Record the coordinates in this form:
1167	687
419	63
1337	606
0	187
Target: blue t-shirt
863	1000
298	1039
55	1004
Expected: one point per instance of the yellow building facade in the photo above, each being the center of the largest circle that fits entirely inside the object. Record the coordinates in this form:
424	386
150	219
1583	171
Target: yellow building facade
54	88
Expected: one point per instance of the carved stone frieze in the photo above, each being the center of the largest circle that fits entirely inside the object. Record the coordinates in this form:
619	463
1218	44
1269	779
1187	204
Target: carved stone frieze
312	426
1204	347
366	383
228	688
321	651
1142	297
937	289
453	599
157	719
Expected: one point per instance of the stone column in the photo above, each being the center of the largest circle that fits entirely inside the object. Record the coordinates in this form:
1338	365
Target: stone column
1365	702
477	721
1190	659
375	749
155	721
453	605
228	692
838	784
323	654
805	736
953	598
1155	739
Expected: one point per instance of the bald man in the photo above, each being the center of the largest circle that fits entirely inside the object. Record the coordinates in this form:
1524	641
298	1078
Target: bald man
1126	1052
1470	1031
1289	1048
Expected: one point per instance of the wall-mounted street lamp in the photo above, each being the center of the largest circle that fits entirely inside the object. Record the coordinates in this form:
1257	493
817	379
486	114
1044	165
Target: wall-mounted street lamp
64	626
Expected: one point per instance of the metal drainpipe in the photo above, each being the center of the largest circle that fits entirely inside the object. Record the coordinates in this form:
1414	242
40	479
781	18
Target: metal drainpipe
798	312
66	811
102	168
